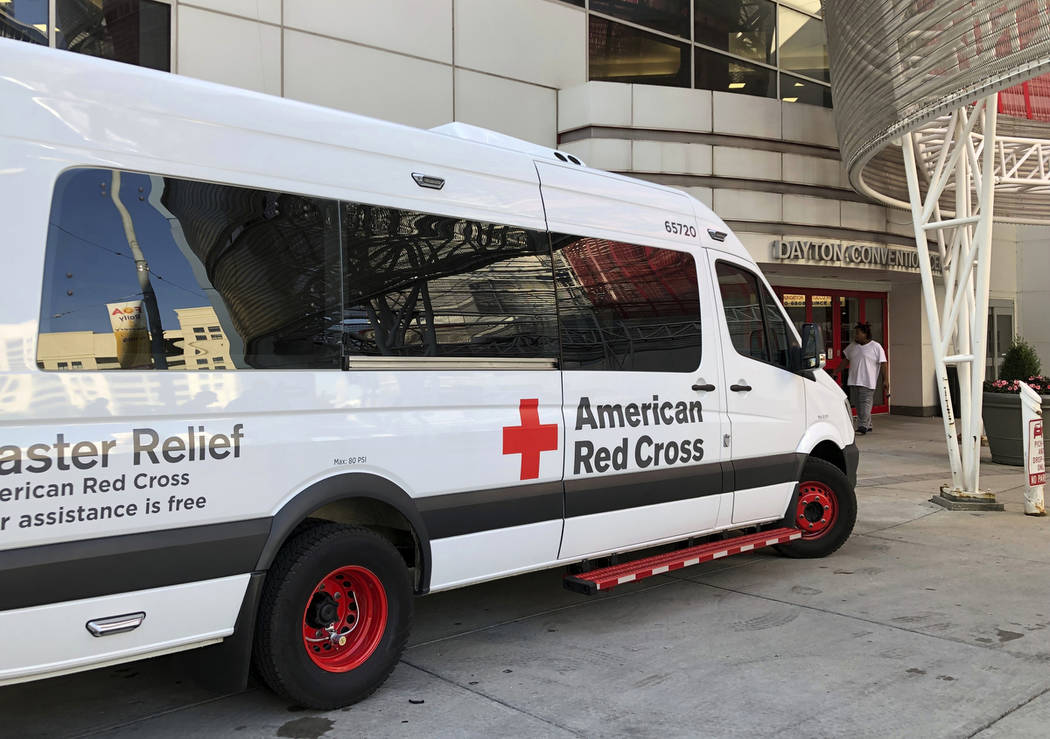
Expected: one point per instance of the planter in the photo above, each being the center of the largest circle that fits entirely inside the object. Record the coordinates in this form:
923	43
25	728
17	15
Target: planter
1002	426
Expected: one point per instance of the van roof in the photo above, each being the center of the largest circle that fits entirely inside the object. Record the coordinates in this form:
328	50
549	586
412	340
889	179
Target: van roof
54	88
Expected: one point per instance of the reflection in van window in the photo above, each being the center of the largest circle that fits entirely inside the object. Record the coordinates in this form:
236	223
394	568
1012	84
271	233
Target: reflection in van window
756	324
743	311
149	272
421	285
626	307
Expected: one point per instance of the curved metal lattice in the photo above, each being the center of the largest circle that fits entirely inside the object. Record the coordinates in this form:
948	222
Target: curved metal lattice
901	66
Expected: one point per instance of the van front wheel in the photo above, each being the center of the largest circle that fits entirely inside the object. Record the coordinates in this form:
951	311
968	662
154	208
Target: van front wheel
825	512
334	616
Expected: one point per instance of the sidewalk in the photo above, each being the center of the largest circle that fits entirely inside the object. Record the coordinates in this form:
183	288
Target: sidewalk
926	623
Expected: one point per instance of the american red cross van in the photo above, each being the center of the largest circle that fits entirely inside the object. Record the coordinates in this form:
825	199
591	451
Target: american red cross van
269	371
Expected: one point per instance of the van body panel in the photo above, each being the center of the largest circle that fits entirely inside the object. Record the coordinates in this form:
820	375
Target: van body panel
586	202
626	482
176	616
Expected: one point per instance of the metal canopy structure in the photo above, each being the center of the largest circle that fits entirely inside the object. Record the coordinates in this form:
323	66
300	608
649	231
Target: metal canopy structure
941	110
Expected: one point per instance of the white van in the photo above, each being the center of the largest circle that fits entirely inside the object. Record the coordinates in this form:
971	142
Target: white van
268	370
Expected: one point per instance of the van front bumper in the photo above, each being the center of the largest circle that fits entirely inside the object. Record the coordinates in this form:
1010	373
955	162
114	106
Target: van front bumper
852	454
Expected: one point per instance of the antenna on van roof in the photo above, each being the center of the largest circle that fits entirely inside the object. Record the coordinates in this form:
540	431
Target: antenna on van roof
481	135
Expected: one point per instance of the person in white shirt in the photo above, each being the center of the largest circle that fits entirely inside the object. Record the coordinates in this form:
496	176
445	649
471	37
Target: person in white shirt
864	359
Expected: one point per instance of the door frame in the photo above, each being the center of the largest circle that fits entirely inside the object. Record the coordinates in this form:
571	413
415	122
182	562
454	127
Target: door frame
836	320
996	308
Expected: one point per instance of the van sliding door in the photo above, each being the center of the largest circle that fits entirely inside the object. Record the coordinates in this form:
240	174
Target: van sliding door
642	381
452	384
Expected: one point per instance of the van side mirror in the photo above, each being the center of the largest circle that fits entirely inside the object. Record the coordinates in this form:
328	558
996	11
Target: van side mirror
813	354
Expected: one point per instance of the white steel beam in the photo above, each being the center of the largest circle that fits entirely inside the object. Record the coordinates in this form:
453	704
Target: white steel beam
953	159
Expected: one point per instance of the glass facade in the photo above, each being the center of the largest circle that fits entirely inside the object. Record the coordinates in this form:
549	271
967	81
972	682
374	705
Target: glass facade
24	20
131	31
768	48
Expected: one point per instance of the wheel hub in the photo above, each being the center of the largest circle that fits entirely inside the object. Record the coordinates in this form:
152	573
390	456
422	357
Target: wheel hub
344	619
817	509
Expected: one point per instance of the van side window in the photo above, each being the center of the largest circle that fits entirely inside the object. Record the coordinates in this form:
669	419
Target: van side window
150	272
626	307
756	325
421	285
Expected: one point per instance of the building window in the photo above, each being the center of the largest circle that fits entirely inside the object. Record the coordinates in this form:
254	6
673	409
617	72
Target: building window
668	16
798	90
202	362
768	48
131	31
626	307
24	20
720	72
620	53
421	285
803	47
744	29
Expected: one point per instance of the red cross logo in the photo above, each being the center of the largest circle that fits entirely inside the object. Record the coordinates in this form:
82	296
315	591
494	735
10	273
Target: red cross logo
530	438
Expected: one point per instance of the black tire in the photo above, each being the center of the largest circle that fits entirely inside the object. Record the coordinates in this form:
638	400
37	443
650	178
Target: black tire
821	478
280	655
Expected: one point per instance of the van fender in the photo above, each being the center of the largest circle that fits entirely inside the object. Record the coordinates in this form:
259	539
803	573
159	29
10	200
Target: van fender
827	434
817	433
341	487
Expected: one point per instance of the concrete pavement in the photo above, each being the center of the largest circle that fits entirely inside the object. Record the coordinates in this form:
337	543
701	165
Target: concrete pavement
927	622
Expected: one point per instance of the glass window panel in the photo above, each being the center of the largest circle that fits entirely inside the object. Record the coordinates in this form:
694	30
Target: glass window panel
746	28
743	309
132	31
626	307
421	285
620	53
803	46
723	73
798	90
781	340
810	6
823	316
669	16
261	265
24	20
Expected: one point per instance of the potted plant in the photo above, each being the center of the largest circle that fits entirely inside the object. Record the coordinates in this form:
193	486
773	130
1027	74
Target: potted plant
1002	402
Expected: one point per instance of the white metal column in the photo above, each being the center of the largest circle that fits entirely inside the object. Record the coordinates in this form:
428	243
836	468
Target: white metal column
947	157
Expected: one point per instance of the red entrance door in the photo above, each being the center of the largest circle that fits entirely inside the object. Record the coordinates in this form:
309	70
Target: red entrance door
837	312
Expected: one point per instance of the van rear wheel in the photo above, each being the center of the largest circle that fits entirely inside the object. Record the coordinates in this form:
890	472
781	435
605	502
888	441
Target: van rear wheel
825	512
335	614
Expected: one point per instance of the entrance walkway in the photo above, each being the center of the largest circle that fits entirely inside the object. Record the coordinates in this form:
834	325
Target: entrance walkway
927	623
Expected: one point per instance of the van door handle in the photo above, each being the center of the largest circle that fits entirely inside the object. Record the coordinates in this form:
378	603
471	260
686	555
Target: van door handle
116	624
704	388
740	388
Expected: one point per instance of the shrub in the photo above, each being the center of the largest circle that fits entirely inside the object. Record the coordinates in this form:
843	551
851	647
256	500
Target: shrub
1020	361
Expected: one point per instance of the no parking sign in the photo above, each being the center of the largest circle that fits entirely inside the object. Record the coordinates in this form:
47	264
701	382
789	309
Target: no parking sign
1034	461
1034	464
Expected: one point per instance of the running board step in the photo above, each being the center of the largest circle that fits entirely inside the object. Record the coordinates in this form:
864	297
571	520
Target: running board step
594	581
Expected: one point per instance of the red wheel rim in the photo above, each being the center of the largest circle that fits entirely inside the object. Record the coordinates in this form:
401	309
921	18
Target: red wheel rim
817	509
344	619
